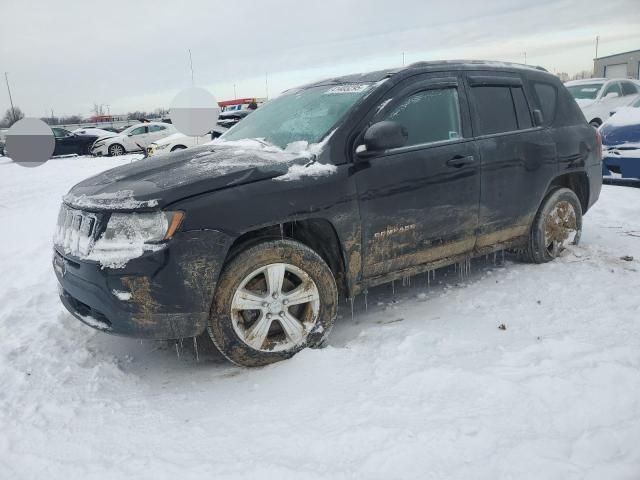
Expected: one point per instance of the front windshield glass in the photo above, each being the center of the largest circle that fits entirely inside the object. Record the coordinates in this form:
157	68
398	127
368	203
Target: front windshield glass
300	115
587	91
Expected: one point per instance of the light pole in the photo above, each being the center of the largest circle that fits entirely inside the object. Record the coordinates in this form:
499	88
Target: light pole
13	110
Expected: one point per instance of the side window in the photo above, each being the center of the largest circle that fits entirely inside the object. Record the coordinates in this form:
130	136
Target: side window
628	88
429	116
495	109
613	87
522	108
547	95
156	128
138	131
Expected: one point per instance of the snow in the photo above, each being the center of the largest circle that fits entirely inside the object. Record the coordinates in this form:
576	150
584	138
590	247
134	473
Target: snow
121	200
623	117
314	169
120	295
421	384
98	132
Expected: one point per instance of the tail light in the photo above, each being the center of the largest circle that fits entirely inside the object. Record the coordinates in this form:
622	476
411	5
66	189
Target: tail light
598	143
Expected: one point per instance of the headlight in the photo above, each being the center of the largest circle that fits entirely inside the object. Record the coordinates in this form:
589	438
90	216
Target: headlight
127	229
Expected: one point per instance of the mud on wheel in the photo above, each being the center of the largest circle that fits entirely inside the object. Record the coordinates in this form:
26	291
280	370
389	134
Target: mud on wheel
557	225
272	300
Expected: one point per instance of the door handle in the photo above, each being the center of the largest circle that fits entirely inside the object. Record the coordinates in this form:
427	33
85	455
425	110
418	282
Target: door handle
460	161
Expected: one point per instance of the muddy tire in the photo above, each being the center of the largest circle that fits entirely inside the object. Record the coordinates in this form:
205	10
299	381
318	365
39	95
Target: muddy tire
272	300
557	224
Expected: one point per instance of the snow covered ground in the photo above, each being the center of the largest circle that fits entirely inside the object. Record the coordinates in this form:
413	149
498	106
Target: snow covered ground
422	384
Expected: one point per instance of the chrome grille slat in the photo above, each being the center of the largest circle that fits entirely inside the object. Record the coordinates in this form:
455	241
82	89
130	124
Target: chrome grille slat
75	231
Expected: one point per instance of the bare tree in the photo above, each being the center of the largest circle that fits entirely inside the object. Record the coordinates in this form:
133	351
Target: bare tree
11	116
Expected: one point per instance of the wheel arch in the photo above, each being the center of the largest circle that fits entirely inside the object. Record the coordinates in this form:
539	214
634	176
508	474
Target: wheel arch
319	234
578	182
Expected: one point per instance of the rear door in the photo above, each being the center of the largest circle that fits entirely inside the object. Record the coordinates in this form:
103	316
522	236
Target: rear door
419	202
156	132
518	158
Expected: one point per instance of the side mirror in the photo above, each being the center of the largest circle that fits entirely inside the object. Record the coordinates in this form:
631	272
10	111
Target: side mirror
383	136
537	117
612	95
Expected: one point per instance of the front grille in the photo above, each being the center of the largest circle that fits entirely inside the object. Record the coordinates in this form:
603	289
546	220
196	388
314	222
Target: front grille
75	231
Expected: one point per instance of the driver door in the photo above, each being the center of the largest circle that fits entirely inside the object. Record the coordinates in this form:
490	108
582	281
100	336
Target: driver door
137	139
420	202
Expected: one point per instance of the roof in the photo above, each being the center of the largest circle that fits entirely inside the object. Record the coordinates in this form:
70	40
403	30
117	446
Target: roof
588	80
617	54
435	65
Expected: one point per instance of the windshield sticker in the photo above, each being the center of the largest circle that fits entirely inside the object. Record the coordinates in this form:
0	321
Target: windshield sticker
348	88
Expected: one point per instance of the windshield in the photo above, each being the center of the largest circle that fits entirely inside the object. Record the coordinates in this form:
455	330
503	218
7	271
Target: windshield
300	115
636	104
587	91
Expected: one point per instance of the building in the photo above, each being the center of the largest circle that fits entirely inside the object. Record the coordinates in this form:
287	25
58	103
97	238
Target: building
620	65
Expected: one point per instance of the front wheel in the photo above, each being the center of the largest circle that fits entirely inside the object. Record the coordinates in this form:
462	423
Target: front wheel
557	225
272	300
116	150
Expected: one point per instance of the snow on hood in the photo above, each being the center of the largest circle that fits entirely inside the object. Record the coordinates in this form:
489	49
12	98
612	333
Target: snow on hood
123	199
624	116
166	178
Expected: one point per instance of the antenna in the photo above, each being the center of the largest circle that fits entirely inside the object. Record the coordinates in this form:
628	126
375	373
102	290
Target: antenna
191	63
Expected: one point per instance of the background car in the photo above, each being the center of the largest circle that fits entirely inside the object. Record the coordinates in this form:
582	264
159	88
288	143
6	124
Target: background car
93	131
180	141
68	143
133	139
621	142
228	119
598	97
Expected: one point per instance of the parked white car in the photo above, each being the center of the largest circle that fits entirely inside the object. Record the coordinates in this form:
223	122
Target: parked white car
93	132
179	141
598	97
134	139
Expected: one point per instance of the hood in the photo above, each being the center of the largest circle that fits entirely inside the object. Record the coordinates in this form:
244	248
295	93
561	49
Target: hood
622	127
161	180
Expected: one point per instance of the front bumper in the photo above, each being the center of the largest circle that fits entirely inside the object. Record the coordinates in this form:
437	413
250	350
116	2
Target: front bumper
621	161
161	295
100	150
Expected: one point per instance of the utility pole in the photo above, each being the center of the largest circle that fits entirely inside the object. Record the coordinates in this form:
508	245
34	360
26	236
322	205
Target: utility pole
235	94
191	63
266	85
403	59
13	110
597	41
525	58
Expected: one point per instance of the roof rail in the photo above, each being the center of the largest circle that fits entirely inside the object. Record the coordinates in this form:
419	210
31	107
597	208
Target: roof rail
476	62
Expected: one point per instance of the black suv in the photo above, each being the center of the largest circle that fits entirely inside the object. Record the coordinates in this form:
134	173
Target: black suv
325	191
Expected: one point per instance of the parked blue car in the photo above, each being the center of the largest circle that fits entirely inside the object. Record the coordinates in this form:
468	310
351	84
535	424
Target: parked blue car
621	142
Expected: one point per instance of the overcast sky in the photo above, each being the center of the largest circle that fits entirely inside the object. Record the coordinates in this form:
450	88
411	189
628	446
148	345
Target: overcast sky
133	55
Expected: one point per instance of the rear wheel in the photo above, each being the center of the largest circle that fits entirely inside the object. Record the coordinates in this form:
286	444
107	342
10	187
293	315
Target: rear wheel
116	149
557	225
595	123
272	300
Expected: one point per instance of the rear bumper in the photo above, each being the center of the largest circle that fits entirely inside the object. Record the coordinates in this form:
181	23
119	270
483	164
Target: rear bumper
161	295
617	162
594	174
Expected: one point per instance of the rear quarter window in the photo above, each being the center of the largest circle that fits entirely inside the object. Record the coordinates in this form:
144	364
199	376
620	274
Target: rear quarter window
548	97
